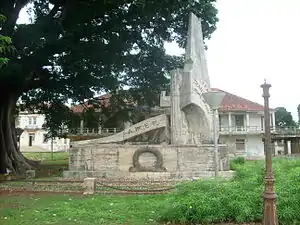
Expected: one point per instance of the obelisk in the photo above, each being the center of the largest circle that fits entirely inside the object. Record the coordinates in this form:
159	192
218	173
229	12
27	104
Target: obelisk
194	123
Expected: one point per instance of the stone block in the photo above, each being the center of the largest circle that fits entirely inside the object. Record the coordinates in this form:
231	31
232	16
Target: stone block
30	174
89	186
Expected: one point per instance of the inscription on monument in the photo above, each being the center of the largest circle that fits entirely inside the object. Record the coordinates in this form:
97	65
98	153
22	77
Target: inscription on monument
201	87
148	125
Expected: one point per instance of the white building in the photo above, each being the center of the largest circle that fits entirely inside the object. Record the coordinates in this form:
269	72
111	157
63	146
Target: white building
241	125
33	137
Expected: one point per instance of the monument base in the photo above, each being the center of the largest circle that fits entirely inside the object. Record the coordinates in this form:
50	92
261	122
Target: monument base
151	162
149	176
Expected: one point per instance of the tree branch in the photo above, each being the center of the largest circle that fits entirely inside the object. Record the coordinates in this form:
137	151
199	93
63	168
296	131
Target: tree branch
12	14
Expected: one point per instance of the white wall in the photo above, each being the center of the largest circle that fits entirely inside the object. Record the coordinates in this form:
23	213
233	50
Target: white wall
34	127
25	119
253	145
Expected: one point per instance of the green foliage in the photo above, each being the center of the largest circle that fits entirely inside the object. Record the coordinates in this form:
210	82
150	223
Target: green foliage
112	44
5	44
283	118
237	161
239	200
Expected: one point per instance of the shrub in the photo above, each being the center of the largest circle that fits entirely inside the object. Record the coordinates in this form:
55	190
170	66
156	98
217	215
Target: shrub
237	161
239	200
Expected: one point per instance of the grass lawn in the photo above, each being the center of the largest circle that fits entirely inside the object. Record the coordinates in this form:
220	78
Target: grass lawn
197	202
67	210
46	157
52	164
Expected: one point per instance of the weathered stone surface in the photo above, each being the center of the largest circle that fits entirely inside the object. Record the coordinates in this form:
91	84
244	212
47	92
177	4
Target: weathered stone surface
89	186
114	161
142	127
147	159
195	82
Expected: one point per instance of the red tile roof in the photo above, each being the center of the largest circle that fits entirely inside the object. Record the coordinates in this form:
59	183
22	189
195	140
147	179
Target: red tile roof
230	102
103	100
233	102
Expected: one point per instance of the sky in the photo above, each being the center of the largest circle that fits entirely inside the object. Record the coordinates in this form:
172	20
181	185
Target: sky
254	40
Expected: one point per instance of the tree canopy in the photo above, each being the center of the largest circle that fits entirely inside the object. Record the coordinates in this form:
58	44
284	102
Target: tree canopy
283	118
73	49
5	44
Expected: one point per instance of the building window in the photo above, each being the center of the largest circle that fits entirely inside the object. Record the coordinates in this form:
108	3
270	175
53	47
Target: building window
262	122
32	120
240	145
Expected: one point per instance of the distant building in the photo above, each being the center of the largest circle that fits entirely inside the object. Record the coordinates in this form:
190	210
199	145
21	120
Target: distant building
33	137
241	125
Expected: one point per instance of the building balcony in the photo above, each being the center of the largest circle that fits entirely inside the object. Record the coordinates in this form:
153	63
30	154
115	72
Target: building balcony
287	130
233	130
241	130
32	127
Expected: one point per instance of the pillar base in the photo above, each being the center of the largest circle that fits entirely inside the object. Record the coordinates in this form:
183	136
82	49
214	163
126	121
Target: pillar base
270	209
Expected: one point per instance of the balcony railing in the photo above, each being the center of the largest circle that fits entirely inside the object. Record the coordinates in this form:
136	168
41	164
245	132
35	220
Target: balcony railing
90	131
241	130
259	130
33	127
288	130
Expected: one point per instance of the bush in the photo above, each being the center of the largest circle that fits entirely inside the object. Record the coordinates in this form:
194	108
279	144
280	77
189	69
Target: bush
239	200
237	161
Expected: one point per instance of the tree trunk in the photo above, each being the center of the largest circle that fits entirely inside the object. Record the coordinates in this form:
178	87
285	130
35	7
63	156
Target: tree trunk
10	156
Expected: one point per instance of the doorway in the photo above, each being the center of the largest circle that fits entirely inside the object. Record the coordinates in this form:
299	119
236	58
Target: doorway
31	139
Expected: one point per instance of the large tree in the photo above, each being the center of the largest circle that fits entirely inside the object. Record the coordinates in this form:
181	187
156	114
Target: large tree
74	48
284	118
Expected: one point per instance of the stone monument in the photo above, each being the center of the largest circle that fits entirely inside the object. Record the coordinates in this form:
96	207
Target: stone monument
186	150
191	117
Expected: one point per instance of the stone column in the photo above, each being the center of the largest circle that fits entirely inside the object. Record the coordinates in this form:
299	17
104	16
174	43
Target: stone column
175	113
81	126
247	122
229	122
289	147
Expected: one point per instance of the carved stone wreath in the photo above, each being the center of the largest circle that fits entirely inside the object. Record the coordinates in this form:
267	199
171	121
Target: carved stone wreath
137	167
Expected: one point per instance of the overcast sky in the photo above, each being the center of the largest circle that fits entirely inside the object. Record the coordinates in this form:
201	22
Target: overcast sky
254	40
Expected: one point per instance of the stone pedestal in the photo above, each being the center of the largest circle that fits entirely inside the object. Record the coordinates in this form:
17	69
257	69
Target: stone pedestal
89	186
